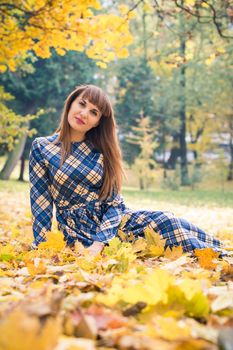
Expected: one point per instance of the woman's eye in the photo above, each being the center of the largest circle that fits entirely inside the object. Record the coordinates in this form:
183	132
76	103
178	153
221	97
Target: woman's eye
93	112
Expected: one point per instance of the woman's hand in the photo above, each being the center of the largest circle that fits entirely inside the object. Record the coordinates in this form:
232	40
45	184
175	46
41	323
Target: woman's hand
95	248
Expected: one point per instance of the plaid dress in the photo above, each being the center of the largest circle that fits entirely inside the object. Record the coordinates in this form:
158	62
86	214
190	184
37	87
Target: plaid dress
74	190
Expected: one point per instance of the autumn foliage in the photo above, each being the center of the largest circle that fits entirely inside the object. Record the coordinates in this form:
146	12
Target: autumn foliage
133	295
37	26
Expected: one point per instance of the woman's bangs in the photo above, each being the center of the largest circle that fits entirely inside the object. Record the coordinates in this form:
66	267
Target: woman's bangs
96	97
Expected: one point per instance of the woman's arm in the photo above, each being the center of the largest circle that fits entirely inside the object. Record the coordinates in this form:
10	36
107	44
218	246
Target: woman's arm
40	197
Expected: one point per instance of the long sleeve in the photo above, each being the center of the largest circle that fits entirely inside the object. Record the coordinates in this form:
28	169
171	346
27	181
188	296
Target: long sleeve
113	209
40	197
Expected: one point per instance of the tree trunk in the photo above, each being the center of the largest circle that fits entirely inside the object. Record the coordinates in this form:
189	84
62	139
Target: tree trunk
182	140
13	157
171	162
144	36
141	182
230	172
22	167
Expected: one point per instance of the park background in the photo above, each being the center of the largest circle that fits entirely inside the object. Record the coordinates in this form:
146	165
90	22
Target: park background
167	67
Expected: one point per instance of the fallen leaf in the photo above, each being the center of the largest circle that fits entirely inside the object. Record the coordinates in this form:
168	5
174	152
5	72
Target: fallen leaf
169	329
72	343
174	253
28	332
155	243
206	256
54	241
36	266
223	301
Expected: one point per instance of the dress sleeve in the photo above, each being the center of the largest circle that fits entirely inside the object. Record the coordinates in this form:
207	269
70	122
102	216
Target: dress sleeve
40	198
113	208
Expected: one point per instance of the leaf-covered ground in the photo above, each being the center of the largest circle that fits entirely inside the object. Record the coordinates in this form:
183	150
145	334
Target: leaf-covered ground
133	296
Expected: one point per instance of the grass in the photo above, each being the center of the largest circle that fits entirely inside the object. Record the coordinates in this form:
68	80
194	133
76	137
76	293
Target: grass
211	191
183	196
132	195
13	186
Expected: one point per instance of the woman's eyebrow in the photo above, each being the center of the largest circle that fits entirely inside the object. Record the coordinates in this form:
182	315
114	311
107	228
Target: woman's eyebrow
94	109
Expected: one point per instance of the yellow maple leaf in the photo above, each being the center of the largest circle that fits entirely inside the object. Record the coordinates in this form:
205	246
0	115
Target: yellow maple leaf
139	245
122	235
124	220
155	251
205	257
54	241
155	243
158	283
174	253
36	266
189	287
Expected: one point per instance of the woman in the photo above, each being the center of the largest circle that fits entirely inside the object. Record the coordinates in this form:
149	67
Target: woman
79	169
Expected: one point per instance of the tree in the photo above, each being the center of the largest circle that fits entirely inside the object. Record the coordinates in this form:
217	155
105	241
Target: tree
135	93
12	124
174	28
38	26
144	164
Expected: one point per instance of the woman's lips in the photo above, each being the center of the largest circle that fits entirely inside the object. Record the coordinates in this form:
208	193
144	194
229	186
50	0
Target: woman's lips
79	121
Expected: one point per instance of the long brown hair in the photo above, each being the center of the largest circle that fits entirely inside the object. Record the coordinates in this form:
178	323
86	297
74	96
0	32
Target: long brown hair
103	137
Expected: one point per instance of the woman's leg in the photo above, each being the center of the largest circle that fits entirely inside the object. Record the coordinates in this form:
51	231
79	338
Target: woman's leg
176	231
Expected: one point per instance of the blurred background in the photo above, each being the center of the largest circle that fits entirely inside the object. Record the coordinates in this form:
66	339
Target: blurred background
167	67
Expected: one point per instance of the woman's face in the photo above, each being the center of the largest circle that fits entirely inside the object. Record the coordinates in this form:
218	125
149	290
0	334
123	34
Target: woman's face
82	117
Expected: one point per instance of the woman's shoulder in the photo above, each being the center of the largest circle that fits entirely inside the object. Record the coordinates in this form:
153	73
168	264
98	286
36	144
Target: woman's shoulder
45	140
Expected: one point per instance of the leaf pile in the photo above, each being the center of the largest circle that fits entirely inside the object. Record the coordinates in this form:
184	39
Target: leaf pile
135	295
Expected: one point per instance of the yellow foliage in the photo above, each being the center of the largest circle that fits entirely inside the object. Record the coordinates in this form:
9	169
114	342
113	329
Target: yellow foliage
54	241
160	298
206	256
36	266
7	252
148	8
101	64
190	2
155	243
123	9
189	287
123	236
169	329
20	331
74	25
174	253
139	245
150	289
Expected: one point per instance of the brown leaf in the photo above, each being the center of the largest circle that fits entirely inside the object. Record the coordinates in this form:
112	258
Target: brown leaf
134	309
227	272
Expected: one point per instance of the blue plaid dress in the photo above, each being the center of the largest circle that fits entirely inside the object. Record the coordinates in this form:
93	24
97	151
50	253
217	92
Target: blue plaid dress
74	190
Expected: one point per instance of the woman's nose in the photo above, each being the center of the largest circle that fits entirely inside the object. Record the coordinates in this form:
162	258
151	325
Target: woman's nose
84	112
